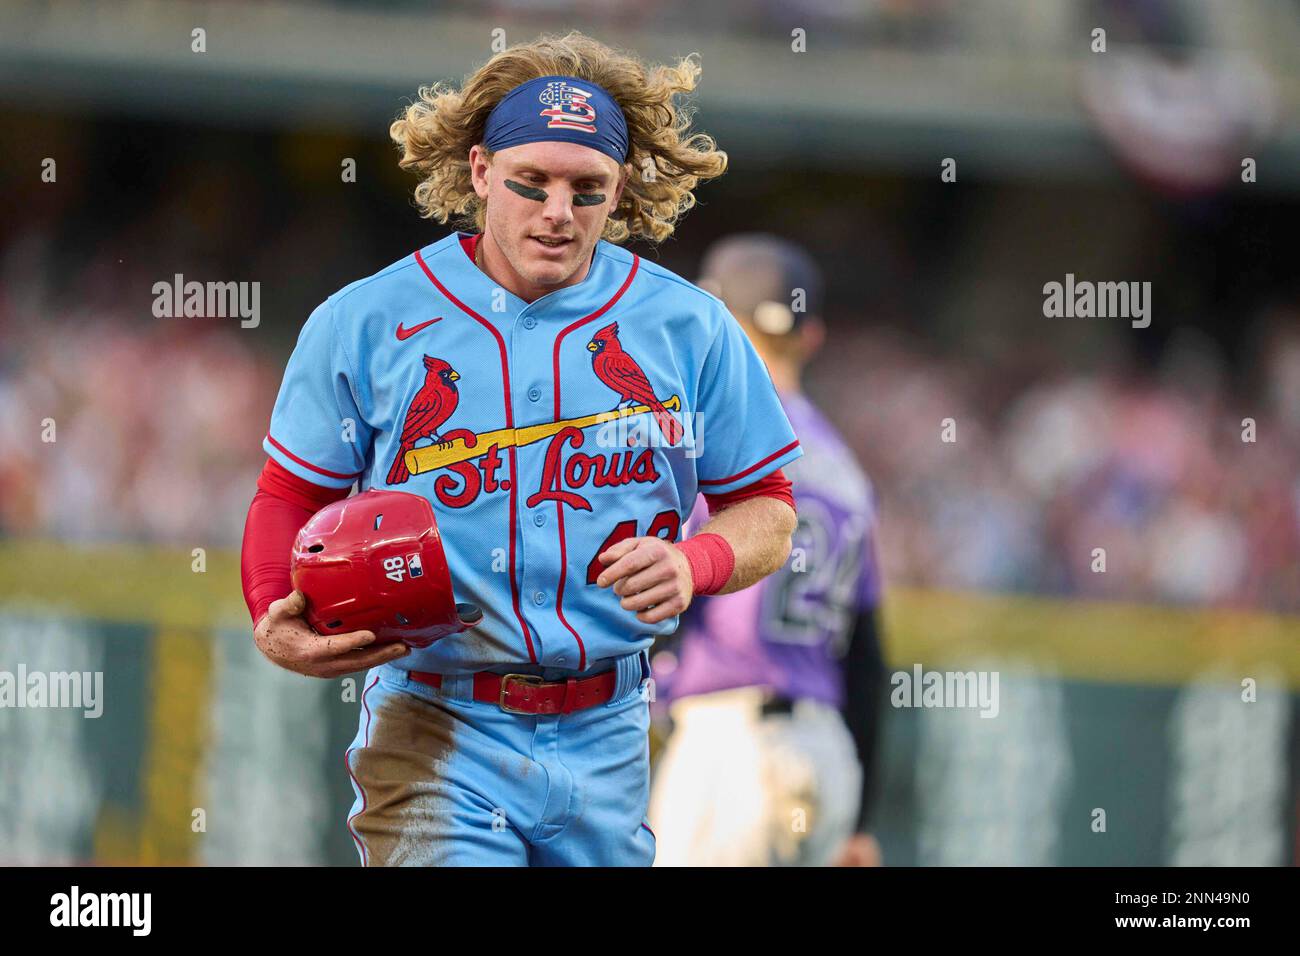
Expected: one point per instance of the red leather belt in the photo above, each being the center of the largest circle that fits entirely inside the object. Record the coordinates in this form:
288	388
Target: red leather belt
526	694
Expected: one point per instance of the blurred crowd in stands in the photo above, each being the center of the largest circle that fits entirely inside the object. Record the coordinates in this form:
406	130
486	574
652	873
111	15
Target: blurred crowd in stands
1153	469
154	428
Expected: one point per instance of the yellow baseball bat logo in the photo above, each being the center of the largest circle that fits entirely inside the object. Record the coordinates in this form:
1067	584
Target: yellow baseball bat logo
432	457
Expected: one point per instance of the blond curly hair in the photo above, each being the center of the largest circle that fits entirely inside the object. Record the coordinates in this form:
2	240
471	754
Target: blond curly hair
666	161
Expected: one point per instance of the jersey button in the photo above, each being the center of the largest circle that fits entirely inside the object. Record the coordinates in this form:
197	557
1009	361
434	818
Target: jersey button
539	598
535	394
530	322
539	519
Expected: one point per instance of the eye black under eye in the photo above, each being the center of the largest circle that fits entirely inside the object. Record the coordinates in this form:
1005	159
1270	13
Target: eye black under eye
528	192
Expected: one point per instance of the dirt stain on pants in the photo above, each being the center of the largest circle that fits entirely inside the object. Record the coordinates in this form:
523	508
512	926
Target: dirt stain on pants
410	805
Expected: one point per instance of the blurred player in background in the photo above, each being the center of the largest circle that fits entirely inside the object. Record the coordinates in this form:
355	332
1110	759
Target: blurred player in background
775	693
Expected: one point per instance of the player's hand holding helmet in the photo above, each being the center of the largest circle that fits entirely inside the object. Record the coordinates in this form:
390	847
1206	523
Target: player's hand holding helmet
287	640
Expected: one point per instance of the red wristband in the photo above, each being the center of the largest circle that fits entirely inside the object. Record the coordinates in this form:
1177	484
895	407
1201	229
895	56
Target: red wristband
712	560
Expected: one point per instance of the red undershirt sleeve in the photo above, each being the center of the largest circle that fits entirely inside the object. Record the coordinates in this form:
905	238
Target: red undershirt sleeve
776	485
280	508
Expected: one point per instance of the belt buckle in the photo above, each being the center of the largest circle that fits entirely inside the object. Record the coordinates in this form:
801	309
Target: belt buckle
505	683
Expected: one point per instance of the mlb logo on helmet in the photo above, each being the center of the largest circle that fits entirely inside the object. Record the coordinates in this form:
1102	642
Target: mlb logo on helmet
568	107
375	562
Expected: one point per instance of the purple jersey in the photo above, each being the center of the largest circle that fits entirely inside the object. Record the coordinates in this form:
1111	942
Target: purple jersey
789	631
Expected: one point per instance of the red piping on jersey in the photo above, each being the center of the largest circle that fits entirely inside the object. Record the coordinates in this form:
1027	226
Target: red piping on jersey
754	467
307	464
559	505
365	856
510	423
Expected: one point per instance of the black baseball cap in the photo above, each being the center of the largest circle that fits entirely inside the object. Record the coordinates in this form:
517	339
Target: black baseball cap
757	274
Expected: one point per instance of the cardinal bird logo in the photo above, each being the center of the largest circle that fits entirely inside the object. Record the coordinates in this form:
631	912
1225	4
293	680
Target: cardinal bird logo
620	372
431	407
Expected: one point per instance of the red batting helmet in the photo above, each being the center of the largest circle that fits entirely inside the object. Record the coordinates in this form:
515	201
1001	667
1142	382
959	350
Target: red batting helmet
374	562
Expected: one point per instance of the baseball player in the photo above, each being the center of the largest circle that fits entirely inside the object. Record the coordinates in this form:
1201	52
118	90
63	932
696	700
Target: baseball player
560	402
776	692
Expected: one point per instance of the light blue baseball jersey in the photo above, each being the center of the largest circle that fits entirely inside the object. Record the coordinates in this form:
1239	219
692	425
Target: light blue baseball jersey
497	398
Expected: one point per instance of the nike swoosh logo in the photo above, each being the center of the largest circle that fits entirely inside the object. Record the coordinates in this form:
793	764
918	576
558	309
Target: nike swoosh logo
404	334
